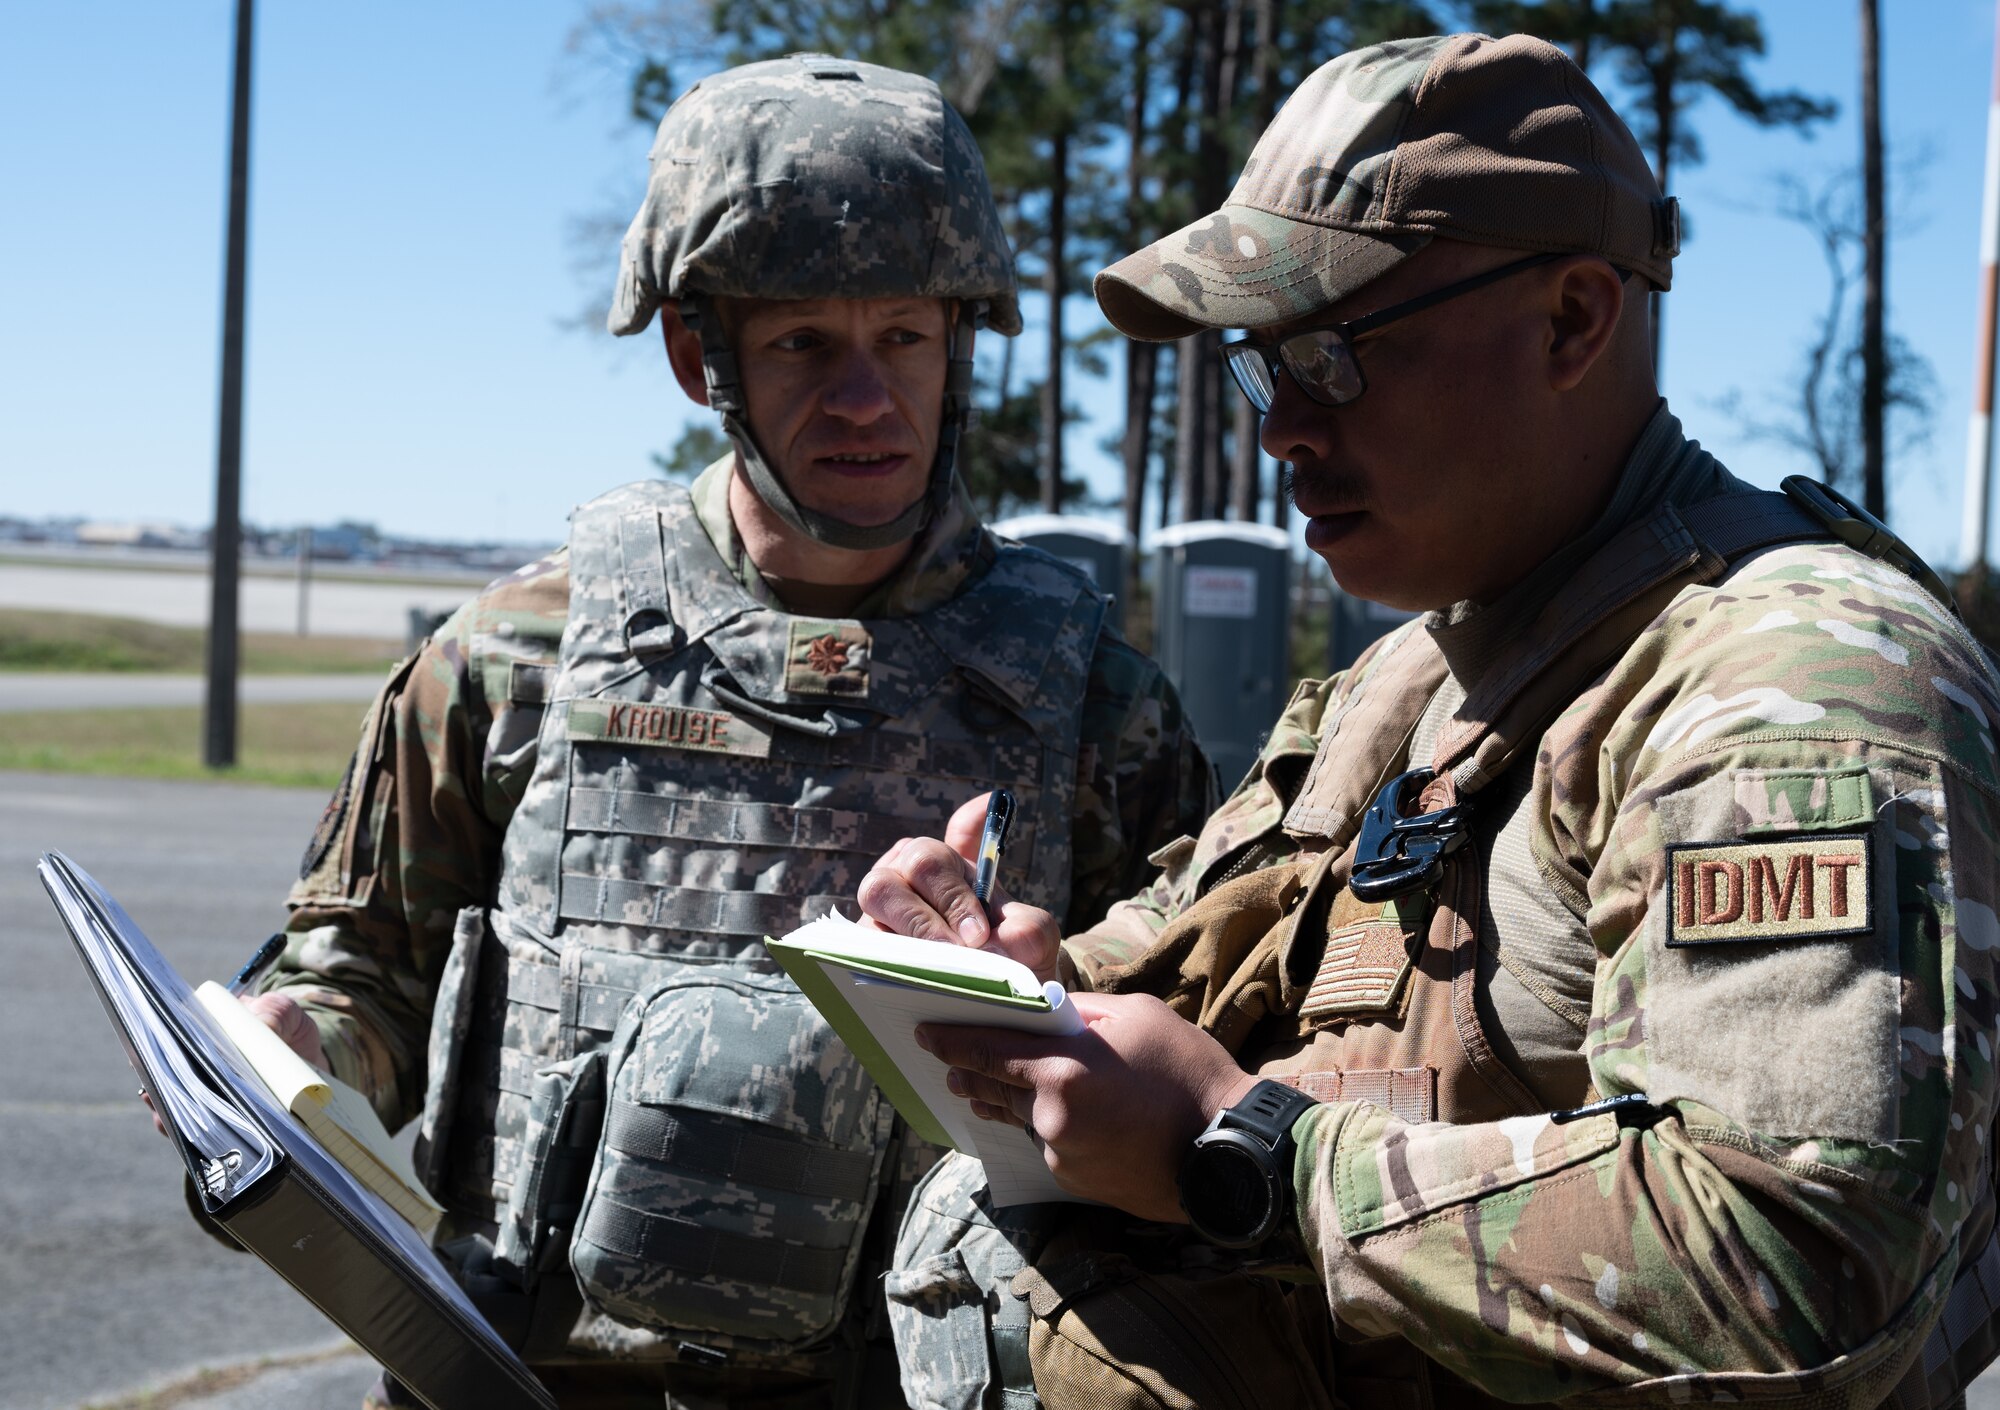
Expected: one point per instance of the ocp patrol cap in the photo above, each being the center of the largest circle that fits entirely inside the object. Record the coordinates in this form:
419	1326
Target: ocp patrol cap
1499	142
813	177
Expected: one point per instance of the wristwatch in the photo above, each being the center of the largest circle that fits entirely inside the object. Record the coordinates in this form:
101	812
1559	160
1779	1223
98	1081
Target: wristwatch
1236	1184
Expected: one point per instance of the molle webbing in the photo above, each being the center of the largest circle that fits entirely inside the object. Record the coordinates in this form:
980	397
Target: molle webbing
731	1150
593	1006
1410	1093
696	1251
618	901
714	820
643	585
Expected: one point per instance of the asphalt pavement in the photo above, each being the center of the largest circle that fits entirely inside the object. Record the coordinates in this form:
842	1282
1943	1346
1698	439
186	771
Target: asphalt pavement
111	690
334	606
106	1286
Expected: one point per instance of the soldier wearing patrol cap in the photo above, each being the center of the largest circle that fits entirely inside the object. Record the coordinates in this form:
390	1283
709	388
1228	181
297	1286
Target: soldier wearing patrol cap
1590	996
531	917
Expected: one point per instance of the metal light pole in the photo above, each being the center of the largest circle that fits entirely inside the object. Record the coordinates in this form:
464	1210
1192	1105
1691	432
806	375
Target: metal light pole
218	745
305	573
1979	437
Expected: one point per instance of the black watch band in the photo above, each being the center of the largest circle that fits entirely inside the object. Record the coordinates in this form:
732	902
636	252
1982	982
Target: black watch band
1236	1183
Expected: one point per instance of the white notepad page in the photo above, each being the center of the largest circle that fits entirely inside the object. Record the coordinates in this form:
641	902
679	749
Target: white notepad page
1015	1171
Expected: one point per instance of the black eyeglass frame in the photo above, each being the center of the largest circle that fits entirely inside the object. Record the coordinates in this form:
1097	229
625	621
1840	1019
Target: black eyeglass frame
1272	355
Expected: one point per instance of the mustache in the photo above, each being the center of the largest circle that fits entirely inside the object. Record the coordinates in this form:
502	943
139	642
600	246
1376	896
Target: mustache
1326	490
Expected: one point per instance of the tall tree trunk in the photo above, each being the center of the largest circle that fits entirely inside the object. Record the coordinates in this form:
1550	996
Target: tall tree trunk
1170	474
1195	426
1666	80
1142	366
1246	468
1190	429
1141	359
1053	286
1214	489
1586	34
1246	472
1875	238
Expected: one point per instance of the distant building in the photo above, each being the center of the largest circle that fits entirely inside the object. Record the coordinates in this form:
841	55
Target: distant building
155	535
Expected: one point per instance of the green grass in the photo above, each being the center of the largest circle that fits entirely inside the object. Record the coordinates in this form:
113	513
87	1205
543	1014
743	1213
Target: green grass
33	640
305	746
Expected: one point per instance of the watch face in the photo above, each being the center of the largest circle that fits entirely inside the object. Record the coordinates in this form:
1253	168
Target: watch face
1227	1193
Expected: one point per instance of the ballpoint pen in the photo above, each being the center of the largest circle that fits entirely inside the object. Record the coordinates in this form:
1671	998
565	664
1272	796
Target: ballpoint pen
253	970
993	841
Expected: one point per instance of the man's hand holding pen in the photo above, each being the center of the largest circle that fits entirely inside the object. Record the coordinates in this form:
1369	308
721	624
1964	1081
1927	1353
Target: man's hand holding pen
1115	1107
928	889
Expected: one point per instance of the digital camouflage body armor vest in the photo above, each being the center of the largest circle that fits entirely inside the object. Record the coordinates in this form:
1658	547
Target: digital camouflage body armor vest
621	1080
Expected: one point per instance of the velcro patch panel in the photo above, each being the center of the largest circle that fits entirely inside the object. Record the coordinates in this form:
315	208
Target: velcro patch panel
1804	887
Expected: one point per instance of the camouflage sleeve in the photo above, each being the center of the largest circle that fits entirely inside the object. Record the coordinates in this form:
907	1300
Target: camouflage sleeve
1141	779
1785	849
412	834
1242	833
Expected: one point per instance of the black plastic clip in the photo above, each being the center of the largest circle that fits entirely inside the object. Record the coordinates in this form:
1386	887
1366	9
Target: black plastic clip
1631	1109
1396	855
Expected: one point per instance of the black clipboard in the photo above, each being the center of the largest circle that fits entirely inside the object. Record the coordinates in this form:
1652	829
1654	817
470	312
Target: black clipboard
264	1179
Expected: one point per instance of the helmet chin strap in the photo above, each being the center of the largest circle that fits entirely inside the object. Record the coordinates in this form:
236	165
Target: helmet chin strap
725	395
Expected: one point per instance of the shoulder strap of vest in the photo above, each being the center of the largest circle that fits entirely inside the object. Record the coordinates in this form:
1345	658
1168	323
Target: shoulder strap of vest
1613	598
618	565
1610	600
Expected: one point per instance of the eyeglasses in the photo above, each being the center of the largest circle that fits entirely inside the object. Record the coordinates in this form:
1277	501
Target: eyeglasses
1321	360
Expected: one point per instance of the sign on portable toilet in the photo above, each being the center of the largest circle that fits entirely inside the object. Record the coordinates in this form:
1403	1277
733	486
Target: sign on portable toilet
1222	632
1099	548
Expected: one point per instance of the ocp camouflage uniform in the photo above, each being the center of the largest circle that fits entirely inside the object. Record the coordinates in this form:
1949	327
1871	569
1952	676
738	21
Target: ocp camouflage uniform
1741	872
412	844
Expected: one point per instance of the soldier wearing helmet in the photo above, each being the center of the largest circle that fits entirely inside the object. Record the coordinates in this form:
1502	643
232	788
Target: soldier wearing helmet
1589	997
530	919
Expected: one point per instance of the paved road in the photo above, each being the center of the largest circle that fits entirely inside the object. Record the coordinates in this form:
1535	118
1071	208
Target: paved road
180	599
106	1286
104	690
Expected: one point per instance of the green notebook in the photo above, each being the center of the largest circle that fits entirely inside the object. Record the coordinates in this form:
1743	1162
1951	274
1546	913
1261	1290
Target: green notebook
874	989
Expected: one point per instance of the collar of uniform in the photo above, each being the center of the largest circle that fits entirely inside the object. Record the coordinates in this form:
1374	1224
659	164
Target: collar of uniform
1664	467
951	550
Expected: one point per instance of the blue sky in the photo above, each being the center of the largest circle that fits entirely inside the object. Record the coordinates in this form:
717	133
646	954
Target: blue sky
417	173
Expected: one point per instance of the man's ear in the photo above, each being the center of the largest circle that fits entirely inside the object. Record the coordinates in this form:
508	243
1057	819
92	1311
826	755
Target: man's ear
1586	303
684	352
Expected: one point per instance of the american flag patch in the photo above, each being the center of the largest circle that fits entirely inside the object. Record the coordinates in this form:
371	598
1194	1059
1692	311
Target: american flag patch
1363	971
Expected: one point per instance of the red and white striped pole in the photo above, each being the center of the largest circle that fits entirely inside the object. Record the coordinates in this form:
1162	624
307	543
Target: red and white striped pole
1979	440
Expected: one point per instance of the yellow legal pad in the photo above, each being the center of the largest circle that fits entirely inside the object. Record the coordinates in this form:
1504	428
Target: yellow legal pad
339	1117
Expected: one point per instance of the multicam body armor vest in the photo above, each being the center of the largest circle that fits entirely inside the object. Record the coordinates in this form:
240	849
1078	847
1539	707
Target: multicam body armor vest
1374	999
636	1089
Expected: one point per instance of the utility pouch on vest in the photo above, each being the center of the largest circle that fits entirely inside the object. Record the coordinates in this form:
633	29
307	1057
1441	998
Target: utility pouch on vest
565	1120
451	1021
741	1154
961	1334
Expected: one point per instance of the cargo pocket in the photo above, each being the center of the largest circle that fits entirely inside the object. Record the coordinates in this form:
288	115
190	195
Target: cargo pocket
451	1020
565	1118
741	1155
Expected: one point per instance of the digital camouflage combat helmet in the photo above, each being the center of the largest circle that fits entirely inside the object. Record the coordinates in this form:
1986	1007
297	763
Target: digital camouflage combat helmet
811	177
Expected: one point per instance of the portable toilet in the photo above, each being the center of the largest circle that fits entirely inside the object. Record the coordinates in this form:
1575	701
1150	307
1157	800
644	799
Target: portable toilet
1100	549
1223	632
